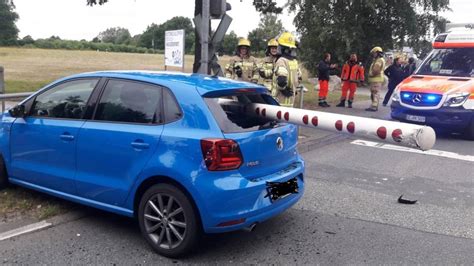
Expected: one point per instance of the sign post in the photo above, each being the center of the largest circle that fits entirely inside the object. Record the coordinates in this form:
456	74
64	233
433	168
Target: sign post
174	49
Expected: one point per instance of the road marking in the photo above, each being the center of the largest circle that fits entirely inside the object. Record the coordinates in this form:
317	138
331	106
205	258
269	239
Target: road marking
23	230
446	154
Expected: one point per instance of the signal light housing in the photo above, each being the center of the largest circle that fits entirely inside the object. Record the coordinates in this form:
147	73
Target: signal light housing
221	154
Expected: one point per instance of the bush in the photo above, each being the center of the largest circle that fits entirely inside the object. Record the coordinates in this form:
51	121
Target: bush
55	43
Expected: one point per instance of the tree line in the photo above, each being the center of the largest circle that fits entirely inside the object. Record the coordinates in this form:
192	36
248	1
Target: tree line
152	40
340	27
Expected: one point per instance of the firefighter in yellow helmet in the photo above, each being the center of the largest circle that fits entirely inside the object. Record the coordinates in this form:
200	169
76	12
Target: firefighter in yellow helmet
287	74
266	67
376	77
242	66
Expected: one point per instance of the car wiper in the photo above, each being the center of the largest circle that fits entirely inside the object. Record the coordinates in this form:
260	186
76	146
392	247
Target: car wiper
269	124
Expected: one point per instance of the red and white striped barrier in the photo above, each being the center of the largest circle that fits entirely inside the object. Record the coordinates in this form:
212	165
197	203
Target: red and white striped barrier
415	136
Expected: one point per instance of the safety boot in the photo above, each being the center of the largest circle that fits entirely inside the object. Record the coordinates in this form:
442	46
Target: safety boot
341	104
349	104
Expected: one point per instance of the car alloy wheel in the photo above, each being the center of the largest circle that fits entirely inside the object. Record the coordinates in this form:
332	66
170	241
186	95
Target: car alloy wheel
168	220
165	222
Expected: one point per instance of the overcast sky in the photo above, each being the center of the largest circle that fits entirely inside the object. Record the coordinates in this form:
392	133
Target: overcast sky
72	19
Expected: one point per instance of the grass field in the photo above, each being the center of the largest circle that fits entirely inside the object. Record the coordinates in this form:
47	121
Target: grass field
30	69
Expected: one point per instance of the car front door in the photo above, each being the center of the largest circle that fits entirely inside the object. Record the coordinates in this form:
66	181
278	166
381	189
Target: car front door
117	143
43	144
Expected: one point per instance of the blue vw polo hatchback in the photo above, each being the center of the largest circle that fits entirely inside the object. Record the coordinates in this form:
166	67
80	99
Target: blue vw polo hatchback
176	151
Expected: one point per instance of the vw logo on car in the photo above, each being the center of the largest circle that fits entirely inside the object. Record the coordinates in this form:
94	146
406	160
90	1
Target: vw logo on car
279	143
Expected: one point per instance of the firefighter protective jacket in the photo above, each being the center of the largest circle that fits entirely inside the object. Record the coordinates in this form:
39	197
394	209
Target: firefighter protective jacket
266	68
288	68
248	66
378	63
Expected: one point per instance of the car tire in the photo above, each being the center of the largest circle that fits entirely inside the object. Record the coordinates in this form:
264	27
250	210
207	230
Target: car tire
3	174
172	231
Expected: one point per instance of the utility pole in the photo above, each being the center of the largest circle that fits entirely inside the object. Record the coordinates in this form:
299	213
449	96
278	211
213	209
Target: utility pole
205	59
204	28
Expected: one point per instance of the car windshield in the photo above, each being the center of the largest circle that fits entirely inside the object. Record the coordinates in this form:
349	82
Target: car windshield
457	62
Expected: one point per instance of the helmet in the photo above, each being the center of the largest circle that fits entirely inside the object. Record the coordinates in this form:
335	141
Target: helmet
243	42
272	42
376	49
287	39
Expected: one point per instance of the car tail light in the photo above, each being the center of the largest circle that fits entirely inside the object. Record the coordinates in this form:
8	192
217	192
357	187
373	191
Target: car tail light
221	154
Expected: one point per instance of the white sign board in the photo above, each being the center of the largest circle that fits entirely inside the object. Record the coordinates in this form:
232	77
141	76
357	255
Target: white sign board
174	48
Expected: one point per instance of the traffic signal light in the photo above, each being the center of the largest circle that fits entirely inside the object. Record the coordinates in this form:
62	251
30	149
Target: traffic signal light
218	8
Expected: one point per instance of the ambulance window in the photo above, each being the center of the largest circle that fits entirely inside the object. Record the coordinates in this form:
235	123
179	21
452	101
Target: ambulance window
449	62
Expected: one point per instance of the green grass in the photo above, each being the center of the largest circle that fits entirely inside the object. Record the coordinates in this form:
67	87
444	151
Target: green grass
13	86
17	201
310	100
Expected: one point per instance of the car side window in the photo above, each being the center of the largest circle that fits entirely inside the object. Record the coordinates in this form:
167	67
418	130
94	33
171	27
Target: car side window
129	102
66	100
172	112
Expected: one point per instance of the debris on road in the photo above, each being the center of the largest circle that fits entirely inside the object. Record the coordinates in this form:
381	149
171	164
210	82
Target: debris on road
405	201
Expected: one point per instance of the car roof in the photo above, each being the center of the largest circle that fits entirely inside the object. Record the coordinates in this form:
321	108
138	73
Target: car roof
204	84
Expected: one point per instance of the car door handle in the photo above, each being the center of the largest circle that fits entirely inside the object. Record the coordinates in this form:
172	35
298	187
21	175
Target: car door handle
67	137
140	145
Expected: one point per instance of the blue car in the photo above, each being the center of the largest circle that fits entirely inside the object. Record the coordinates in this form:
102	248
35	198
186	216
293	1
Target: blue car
176	151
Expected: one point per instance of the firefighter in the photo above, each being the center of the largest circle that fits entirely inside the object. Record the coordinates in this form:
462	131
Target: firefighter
352	75
266	68
376	77
287	75
242	66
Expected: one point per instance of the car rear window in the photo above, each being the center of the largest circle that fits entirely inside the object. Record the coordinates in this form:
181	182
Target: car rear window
229	112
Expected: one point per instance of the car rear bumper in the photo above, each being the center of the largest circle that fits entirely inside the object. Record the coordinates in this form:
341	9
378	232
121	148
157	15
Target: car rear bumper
246	201
455	119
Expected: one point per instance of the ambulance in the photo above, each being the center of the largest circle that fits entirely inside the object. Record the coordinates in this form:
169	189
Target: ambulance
441	91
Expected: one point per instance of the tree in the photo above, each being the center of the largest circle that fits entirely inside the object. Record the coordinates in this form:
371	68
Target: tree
8	17
115	35
345	26
228	44
269	27
155	34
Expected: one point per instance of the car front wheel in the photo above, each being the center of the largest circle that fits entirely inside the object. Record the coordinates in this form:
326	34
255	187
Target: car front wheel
168	220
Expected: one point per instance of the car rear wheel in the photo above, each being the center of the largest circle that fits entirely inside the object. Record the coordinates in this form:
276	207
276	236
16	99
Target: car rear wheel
168	220
3	174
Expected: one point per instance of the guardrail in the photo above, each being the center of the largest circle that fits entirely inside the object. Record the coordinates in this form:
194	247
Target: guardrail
13	96
9	96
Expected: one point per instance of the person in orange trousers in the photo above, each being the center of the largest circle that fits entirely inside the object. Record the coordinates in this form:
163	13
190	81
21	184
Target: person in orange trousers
352	75
324	69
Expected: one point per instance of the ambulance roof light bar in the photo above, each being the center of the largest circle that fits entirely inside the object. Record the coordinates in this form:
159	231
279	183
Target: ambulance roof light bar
459	26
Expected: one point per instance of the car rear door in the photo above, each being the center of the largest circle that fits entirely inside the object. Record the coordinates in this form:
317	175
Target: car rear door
117	143
43	144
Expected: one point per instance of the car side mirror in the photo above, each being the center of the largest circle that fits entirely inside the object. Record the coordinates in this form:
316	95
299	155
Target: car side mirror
18	111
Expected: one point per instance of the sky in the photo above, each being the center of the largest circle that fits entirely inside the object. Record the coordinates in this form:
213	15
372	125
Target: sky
73	20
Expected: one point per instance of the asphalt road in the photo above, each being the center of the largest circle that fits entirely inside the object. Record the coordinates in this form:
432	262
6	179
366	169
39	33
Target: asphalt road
348	215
